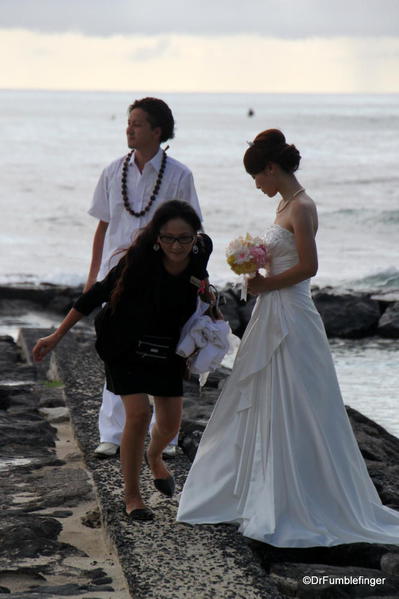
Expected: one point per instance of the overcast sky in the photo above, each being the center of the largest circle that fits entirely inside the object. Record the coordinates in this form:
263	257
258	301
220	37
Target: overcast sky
202	45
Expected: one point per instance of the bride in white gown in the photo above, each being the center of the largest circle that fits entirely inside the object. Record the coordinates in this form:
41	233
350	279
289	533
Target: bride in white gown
278	456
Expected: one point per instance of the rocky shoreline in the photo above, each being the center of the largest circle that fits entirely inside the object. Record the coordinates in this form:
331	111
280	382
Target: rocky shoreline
45	489
346	313
51	544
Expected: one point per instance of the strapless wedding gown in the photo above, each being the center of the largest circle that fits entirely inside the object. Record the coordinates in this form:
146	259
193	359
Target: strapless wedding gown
278	456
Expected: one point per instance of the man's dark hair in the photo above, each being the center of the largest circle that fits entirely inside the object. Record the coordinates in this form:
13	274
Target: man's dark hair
159	115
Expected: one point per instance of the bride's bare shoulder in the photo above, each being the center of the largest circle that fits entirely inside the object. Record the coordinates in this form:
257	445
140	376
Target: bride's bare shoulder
306	208
305	200
304	203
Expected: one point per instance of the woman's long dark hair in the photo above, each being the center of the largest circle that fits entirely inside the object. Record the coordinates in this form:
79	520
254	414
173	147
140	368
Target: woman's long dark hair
141	252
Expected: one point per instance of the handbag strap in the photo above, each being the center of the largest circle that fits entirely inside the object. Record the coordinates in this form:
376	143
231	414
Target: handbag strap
213	297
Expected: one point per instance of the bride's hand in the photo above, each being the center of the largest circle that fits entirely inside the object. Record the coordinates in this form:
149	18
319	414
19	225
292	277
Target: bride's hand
256	284
44	346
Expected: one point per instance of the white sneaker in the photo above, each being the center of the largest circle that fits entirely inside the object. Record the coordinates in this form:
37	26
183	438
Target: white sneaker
169	451
106	450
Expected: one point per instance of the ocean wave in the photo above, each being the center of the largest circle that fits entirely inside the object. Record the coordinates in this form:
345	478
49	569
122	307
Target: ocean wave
384	279
368	181
389	216
343	212
54	278
384	217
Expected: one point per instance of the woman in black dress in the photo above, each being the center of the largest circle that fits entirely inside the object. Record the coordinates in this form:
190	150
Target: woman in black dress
148	297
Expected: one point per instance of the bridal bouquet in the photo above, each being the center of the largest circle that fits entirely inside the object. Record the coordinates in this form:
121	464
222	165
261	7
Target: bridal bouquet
245	256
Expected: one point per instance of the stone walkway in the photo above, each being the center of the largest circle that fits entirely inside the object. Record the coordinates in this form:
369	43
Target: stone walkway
163	559
158	560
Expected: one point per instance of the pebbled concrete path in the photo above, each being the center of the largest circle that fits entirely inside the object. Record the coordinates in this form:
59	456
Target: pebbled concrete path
161	559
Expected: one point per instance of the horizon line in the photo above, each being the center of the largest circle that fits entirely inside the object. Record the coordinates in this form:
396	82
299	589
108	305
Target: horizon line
204	92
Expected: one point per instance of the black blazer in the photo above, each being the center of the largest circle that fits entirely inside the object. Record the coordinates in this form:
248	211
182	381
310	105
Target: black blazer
154	302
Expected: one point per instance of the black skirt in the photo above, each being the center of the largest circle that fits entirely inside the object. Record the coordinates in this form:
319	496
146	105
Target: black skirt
163	378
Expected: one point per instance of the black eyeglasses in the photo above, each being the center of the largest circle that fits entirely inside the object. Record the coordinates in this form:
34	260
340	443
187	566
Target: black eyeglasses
183	239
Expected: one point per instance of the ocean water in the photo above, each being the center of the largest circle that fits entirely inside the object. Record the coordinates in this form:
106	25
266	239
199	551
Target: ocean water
55	144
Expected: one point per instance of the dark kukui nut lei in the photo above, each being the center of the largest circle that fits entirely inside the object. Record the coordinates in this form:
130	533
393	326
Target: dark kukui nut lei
154	191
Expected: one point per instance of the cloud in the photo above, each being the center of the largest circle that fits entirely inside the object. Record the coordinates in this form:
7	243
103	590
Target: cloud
272	18
152	49
241	63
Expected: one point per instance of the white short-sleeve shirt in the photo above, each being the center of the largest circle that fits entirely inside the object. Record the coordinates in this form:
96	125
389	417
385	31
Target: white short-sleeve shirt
107	205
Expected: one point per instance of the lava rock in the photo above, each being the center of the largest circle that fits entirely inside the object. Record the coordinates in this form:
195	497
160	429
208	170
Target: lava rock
318	581
362	555
92	519
230	311
25	297
390	563
388	325
348	314
26	536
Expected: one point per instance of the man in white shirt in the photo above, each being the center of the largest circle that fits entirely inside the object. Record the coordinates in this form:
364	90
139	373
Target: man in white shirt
128	192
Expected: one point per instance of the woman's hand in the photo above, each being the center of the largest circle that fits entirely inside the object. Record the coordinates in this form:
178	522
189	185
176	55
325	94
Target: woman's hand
44	346
257	284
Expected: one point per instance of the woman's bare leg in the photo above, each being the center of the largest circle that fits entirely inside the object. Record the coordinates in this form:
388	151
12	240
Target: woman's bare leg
168	412
138	415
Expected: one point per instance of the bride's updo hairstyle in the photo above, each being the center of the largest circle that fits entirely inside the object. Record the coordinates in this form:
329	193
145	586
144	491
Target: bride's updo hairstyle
270	146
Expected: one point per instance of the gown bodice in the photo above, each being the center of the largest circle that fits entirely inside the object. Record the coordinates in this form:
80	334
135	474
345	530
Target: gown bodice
281	244
284	255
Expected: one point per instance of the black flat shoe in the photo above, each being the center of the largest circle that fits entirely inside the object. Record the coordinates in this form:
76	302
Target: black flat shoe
143	514
166	486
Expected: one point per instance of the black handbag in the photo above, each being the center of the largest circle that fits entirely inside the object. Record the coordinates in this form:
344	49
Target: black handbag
151	348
